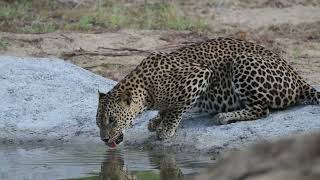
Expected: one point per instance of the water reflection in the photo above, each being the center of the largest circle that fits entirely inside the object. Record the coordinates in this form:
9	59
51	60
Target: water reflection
91	162
165	168
113	168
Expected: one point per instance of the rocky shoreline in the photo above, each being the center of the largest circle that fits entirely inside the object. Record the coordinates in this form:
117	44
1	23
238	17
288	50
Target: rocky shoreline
47	100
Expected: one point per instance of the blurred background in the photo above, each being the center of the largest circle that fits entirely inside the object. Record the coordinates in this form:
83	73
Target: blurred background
110	37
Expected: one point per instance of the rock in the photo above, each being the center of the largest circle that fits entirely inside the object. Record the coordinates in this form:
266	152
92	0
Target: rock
294	158
199	133
47	100
51	101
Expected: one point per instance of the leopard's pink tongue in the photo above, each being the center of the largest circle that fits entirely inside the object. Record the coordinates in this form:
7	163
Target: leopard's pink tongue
113	144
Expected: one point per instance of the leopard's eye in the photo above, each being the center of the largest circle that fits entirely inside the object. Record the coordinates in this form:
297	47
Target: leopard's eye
112	121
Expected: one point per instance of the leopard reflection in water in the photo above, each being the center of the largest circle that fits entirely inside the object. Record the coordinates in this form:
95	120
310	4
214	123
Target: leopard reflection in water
114	168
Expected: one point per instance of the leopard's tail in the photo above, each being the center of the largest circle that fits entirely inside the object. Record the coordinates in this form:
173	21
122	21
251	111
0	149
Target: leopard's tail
310	95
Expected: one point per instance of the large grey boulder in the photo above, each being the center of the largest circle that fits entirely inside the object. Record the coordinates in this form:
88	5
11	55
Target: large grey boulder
50	100
47	100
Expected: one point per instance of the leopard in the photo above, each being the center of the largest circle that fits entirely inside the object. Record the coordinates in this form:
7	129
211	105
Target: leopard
231	79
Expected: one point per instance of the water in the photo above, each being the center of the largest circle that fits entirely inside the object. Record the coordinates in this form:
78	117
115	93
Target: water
92	161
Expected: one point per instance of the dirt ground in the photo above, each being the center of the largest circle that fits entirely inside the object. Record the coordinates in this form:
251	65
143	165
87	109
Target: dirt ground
290	27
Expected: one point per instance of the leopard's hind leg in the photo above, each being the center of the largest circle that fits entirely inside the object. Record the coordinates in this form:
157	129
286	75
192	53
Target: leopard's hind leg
154	123
250	112
254	97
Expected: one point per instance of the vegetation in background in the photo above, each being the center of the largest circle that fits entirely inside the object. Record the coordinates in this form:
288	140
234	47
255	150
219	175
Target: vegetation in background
37	27
3	44
43	16
296	52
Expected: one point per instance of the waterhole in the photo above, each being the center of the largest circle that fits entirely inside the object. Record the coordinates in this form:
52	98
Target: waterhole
90	162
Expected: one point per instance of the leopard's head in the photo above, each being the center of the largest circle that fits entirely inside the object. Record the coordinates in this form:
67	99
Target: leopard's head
115	113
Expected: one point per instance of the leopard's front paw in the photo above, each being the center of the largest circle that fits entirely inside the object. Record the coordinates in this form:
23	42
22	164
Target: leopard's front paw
164	132
223	119
152	126
154	123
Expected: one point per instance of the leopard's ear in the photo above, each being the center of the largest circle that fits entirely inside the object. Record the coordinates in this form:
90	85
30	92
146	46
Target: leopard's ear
126	97
101	94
